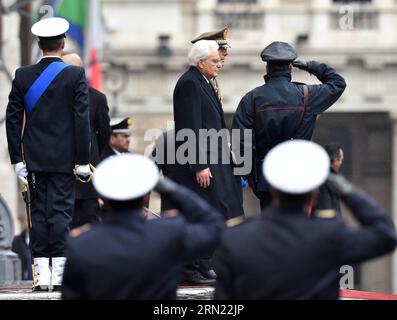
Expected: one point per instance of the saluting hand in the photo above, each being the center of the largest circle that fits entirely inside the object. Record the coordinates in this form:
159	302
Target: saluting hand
301	64
203	177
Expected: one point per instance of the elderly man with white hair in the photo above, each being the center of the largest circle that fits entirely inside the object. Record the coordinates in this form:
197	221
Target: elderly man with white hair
203	157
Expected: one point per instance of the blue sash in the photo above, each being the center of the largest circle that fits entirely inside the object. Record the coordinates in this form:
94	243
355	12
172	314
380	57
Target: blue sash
41	84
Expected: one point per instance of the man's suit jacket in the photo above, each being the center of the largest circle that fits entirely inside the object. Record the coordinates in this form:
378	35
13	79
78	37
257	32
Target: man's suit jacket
100	133
196	106
57	131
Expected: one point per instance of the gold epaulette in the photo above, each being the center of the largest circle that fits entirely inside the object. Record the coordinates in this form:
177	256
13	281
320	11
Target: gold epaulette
325	214
235	221
76	232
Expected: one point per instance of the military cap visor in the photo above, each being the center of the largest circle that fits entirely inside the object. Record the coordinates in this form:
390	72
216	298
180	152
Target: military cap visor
296	166
125	177
121	127
219	36
50	28
279	52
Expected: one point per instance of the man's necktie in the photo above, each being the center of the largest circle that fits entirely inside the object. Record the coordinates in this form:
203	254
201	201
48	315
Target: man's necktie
215	85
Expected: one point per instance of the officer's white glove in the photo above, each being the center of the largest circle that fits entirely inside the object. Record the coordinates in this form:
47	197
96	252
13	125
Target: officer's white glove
83	170
20	170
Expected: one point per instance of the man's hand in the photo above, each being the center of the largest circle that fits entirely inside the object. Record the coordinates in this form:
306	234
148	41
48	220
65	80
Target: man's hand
101	203
20	170
203	177
339	184
301	64
83	170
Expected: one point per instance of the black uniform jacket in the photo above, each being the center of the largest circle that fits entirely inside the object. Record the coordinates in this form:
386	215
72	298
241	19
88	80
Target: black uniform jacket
275	110
286	255
107	152
128	257
57	132
100	133
196	107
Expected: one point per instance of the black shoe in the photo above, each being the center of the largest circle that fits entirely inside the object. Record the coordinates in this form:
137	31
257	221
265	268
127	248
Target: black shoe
40	289
197	279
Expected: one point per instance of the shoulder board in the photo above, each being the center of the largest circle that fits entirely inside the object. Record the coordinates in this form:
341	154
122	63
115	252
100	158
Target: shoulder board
233	222
325	214
76	232
296	82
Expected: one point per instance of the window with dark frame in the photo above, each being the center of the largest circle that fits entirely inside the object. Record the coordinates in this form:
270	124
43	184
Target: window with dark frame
239	14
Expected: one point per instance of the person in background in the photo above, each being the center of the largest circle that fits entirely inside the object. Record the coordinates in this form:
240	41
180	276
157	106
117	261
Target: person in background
86	206
328	202
119	142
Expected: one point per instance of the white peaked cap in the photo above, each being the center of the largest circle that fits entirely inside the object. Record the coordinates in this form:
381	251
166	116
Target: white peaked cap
296	166
50	27
125	177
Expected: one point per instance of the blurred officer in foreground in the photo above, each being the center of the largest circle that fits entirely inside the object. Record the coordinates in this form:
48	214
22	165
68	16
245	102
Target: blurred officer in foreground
55	140
119	142
86	206
328	202
127	256
286	255
281	110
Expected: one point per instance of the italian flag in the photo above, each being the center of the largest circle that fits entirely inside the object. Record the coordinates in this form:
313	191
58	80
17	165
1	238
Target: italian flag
85	18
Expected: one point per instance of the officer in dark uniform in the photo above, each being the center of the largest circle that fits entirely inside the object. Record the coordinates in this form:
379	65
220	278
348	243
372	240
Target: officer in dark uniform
54	141
119	142
280	109
86	207
285	255
127	256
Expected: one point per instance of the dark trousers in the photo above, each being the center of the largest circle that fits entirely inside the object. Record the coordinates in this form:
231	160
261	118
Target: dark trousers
52	201
264	198
85	211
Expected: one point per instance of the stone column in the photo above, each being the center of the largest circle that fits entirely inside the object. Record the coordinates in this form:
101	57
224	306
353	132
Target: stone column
10	264
394	198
